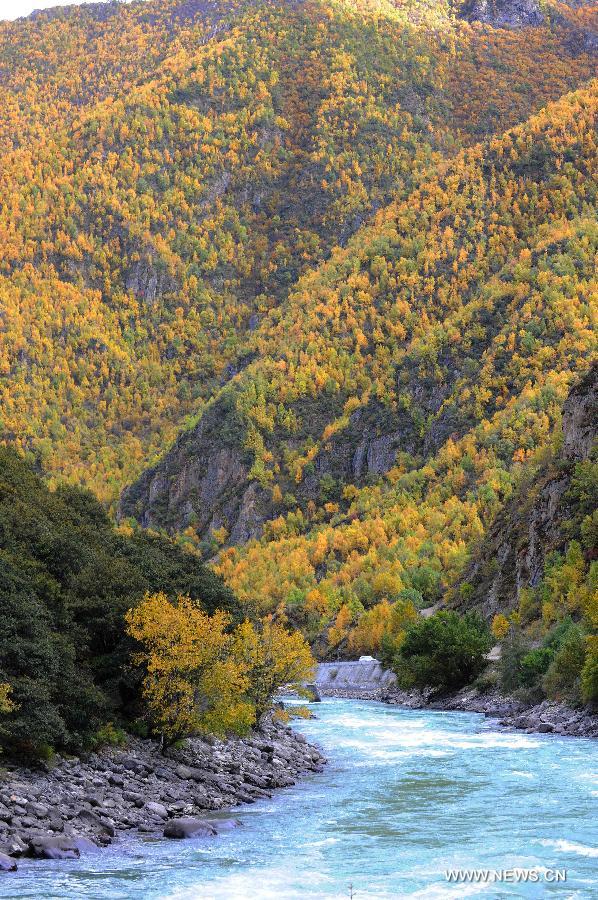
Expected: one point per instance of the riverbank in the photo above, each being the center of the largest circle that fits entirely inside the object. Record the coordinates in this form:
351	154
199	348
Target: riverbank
545	717
75	805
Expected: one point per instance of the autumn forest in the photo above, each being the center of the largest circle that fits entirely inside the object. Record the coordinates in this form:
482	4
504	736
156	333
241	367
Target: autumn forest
305	294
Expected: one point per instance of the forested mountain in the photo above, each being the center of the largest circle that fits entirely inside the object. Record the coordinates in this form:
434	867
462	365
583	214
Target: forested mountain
405	386
170	169
343	254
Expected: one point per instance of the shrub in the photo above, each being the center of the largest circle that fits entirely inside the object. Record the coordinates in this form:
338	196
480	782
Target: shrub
563	678
514	649
589	673
110	735
535	664
487	681
445	651
412	596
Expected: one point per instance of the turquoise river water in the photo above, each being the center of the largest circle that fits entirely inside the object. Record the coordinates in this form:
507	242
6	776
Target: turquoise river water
406	796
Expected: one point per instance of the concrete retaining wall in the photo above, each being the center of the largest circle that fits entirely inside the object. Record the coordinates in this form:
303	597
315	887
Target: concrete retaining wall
361	676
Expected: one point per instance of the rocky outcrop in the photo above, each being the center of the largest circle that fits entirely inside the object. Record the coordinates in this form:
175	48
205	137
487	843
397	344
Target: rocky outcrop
203	481
504	13
580	417
76	805
530	13
530	526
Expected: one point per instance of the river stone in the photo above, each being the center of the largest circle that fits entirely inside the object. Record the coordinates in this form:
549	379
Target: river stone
46	847
86	815
38	810
7	864
84	845
157	809
188	828
314	693
190	773
223	824
15	846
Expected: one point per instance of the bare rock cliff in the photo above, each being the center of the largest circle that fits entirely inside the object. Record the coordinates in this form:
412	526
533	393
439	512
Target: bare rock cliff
504	13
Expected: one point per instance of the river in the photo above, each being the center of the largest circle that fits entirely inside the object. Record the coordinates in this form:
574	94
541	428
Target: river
406	796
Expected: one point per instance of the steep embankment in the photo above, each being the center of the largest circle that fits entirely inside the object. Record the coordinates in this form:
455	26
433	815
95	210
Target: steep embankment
543	515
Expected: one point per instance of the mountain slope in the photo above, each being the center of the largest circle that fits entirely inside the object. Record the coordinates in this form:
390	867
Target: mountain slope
67	578
403	388
171	169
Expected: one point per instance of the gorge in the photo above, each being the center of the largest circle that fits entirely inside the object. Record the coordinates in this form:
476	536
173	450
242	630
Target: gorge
298	368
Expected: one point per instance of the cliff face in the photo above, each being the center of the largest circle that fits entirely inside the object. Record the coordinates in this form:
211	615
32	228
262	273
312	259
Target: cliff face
203	481
504	13
531	525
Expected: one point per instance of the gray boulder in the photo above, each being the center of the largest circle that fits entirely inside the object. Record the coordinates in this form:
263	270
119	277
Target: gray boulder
84	845
7	864
188	828
189	773
157	809
101	826
52	847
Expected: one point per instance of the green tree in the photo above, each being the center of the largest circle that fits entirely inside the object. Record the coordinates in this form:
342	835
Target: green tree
445	651
563	678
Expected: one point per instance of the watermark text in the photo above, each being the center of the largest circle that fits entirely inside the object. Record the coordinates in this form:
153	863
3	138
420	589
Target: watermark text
505	876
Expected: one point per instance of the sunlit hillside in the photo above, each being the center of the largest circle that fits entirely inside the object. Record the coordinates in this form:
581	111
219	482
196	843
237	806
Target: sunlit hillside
405	386
171	169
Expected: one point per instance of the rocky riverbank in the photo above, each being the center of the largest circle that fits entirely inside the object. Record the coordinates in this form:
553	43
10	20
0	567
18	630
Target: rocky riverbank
545	717
76	805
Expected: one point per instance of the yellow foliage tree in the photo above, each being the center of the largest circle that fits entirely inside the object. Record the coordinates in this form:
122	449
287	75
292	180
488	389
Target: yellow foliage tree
367	635
500	626
339	631
6	704
382	626
193	682
272	657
